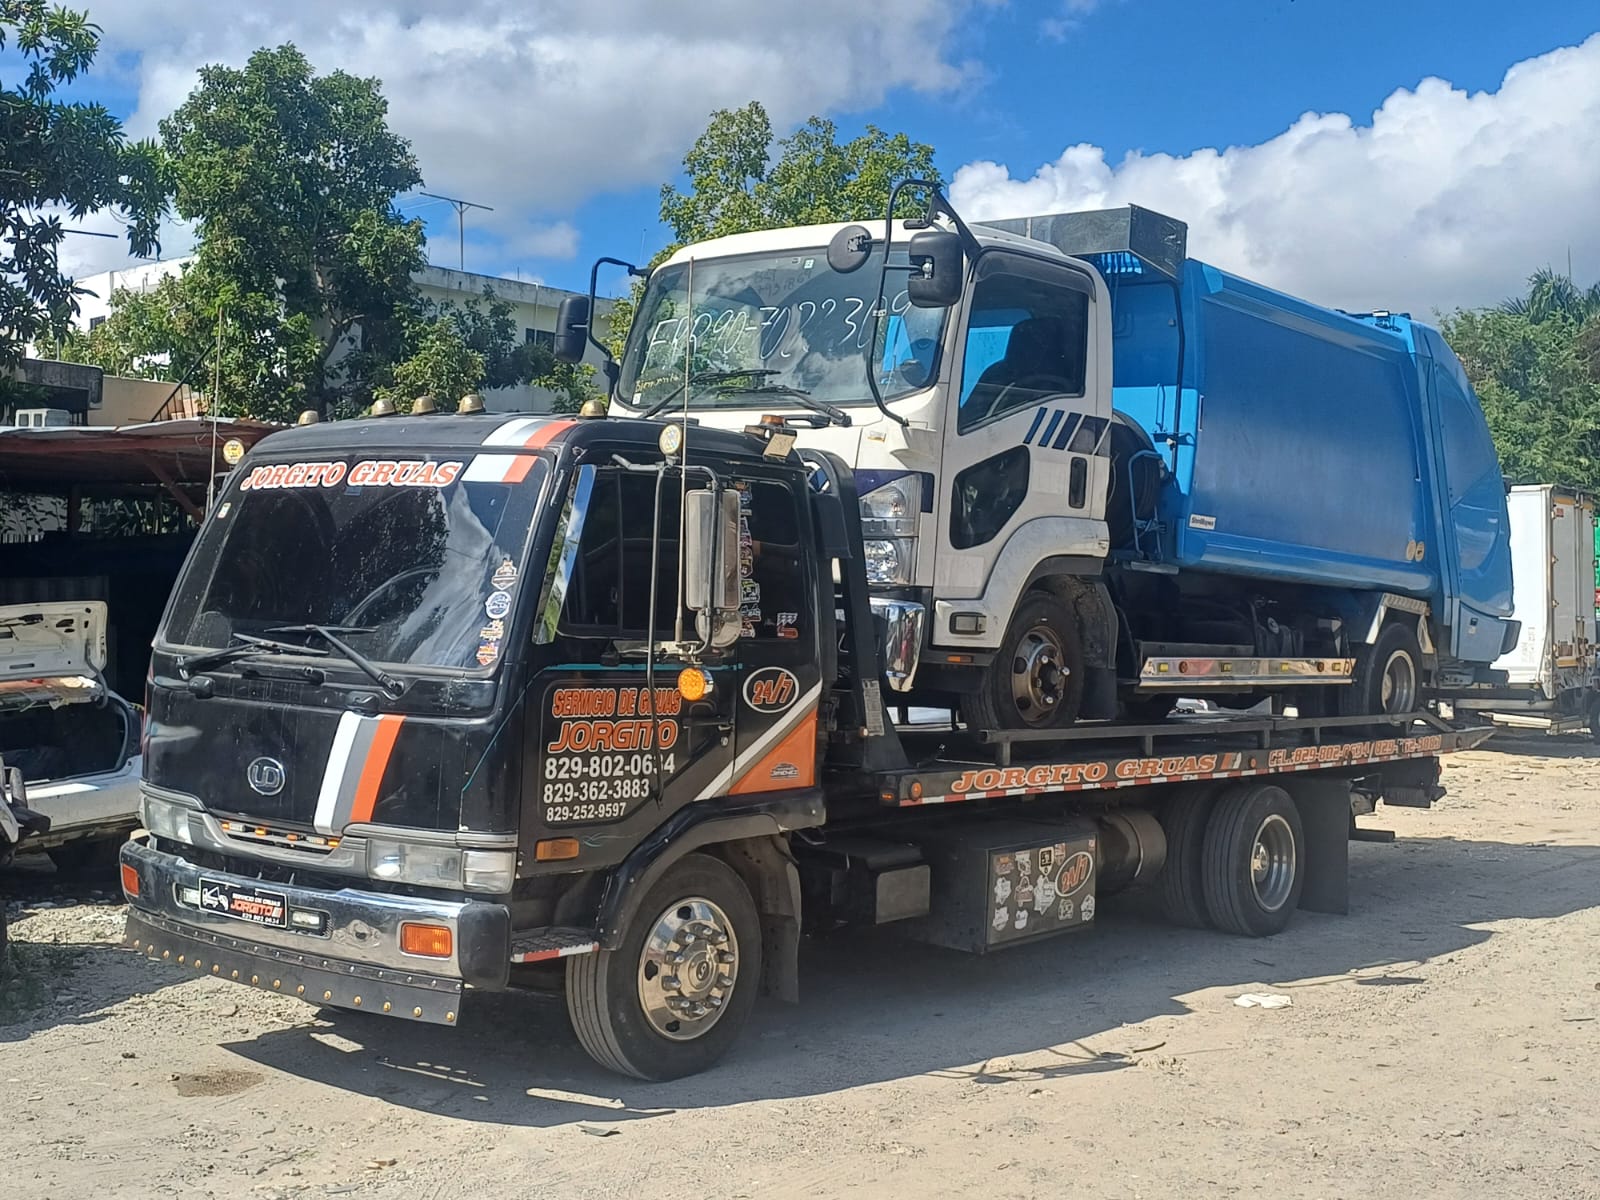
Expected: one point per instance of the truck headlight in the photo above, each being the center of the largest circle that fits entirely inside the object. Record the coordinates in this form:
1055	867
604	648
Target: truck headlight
889	520
167	819
441	866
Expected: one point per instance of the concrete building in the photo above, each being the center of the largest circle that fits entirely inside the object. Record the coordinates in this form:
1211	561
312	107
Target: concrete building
533	308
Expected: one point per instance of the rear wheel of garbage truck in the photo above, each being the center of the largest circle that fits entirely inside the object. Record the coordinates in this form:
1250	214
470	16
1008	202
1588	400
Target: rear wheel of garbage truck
1036	678
1252	864
672	997
1388	676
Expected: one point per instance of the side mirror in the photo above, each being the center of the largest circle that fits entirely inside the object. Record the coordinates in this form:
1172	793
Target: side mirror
711	555
937	268
572	329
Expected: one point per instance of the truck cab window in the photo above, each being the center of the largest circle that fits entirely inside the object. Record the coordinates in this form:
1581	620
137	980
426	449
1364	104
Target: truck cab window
1027	338
609	592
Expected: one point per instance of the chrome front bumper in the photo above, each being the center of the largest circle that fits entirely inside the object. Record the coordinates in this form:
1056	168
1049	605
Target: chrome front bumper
356	963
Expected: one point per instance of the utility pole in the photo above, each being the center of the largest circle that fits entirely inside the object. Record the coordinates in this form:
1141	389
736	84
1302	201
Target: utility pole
461	207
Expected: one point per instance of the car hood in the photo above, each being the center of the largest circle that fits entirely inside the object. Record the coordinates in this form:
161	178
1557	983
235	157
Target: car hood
52	653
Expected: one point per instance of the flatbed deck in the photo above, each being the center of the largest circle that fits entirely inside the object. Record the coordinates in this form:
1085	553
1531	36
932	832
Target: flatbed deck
957	766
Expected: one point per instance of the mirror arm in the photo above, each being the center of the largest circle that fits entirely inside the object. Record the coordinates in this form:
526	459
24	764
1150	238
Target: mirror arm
612	370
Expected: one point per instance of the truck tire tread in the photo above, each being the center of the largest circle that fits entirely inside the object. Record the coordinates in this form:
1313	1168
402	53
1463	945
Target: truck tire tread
1230	899
1184	822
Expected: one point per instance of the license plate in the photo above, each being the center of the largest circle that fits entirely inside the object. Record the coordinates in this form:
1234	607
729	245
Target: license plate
244	903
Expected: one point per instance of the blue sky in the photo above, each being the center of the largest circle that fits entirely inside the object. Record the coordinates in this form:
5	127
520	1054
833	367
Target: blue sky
566	115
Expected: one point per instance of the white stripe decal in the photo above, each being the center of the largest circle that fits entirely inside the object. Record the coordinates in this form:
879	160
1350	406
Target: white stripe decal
761	745
488	468
514	433
333	777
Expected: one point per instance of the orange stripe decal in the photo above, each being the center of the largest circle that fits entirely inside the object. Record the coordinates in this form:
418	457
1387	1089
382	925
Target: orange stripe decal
792	763
518	470
372	770
547	433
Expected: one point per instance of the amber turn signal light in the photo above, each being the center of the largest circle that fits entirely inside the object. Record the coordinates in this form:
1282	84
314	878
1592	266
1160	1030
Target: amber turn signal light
556	849
130	881
694	684
430	941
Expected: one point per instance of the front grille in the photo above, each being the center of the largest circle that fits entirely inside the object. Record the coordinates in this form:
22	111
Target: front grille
284	839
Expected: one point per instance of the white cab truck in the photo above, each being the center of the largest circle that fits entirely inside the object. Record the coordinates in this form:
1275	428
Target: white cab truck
1550	672
1096	474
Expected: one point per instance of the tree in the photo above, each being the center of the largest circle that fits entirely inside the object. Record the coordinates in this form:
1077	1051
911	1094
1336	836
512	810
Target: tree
290	180
56	156
1535	363
734	186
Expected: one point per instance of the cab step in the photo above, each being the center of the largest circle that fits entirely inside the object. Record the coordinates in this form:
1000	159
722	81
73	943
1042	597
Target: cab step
543	945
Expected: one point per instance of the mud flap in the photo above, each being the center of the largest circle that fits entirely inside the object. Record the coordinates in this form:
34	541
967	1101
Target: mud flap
769	871
1324	806
1412	784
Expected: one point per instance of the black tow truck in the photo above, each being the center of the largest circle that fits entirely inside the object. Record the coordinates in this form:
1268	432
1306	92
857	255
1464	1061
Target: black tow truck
470	702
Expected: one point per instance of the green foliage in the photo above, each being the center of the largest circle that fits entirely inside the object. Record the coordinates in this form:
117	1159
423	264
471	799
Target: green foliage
290	180
61	156
441	364
734	186
1535	363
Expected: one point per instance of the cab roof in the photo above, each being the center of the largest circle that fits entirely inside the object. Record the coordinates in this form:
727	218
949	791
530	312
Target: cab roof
493	433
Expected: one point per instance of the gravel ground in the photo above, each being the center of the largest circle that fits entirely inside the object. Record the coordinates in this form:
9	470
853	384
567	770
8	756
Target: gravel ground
1443	1040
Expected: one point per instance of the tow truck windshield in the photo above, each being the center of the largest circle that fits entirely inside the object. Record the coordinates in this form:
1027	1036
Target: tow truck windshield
776	330
405	563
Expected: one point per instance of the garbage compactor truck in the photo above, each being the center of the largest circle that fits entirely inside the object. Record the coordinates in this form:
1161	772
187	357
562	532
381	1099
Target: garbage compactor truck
1099	475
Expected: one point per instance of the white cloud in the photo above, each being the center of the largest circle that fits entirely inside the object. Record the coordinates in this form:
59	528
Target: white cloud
1067	18
534	107
1443	199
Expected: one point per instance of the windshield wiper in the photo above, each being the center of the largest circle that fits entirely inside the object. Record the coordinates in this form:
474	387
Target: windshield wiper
708	377
244	645
836	416
394	688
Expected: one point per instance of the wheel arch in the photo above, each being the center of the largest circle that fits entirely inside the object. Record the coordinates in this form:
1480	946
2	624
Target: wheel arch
1090	600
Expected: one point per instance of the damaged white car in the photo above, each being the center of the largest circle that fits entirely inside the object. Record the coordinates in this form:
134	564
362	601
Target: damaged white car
75	741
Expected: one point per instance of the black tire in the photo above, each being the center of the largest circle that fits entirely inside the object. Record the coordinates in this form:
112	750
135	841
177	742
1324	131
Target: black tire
1184	821
87	858
1239	898
1397	645
1594	721
1043	621
604	988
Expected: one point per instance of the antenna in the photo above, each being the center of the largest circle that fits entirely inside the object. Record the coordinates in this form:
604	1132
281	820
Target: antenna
461	207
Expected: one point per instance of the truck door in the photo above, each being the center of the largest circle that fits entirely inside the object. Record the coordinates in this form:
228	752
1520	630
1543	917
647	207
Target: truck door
778	679
1024	466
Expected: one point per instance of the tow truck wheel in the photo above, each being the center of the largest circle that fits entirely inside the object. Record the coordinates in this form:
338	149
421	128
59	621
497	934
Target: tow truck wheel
1388	676
1253	860
670	1000
1036	678
1182	891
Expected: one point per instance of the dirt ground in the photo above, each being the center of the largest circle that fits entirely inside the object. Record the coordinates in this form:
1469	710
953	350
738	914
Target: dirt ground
1443	1040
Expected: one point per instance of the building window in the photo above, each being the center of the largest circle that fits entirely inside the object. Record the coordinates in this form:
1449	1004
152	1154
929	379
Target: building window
95	323
544	338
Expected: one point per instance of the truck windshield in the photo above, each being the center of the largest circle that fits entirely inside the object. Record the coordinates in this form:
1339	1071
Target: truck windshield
415	562
763	323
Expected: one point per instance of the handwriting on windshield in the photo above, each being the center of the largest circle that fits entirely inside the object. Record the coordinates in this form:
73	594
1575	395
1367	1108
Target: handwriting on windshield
742	333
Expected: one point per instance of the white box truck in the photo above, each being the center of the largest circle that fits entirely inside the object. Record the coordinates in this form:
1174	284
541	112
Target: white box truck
1550	672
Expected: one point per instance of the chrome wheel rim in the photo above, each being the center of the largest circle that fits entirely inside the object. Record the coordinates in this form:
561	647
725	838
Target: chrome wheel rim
688	969
1273	863
1038	675
1398	690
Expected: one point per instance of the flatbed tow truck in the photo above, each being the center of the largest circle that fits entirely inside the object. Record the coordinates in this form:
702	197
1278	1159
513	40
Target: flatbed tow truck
466	703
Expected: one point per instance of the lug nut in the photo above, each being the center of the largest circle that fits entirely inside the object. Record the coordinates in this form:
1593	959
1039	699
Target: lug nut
725	957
